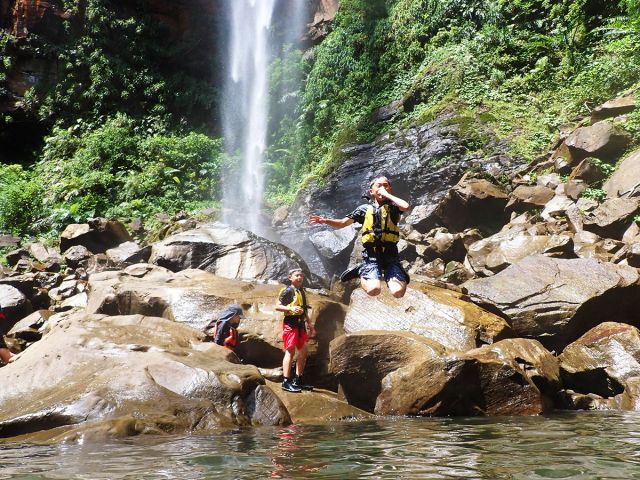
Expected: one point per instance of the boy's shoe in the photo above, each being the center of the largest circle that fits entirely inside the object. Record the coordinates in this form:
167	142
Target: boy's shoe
351	273
297	382
288	386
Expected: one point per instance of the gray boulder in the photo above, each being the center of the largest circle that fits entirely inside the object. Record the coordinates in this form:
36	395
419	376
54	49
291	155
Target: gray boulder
556	300
227	252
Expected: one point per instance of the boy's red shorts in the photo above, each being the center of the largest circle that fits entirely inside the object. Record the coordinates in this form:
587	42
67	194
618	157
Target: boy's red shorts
294	337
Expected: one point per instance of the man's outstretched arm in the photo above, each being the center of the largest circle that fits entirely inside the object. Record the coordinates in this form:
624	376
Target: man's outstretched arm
332	222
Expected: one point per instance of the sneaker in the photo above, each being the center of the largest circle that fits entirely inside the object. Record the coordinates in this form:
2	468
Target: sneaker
297	382
351	273
288	386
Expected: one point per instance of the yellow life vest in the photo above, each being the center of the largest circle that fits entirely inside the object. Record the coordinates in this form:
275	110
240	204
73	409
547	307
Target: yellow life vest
299	300
385	232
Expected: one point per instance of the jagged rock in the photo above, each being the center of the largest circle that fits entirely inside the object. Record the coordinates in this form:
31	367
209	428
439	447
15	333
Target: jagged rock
456	273
324	11
588	170
557	206
68	288
527	197
25	282
444	245
529	357
625	181
434	313
280	214
549	180
97	235
613	108
77	256
557	300
195	297
28	328
574	188
612	217
227	252
173	383
590	245
602	360
128	253
98	263
334	247
14	256
473	203
13	302
497	252
630	254
44	254
601	140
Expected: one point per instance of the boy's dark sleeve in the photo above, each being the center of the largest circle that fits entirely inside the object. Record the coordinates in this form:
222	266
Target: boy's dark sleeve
286	297
223	332
358	214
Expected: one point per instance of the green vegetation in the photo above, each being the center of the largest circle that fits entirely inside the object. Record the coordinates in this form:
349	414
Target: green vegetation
112	171
127	132
125	126
508	69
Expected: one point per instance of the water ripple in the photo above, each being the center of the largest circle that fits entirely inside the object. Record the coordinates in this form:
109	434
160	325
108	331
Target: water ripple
599	445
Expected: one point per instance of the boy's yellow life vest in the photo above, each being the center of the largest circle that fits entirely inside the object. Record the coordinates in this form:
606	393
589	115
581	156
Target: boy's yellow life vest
385	232
298	299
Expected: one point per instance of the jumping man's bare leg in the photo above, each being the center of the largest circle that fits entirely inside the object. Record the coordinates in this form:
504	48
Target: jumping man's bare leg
397	288
371	286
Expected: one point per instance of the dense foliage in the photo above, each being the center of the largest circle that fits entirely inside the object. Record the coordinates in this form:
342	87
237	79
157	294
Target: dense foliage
515	69
115	170
125	125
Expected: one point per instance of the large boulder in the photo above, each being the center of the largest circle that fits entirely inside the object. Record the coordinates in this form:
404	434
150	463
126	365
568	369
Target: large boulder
150	372
557	300
602	360
495	253
612	217
393	373
625	181
334	247
438	314
195	298
97	235
601	140
613	108
227	252
474	202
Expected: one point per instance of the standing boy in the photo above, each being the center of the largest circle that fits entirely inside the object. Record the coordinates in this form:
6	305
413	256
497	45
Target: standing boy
292	301
225	331
380	235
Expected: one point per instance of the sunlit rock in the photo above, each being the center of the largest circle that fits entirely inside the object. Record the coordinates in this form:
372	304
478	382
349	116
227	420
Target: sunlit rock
97	368
557	300
441	315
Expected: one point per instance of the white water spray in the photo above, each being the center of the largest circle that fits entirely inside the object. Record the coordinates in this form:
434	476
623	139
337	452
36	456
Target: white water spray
246	103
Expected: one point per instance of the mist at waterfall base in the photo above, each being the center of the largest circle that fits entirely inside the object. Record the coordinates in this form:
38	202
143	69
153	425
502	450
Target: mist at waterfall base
572	445
258	30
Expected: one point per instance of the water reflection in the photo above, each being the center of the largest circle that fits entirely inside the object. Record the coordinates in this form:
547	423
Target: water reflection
569	446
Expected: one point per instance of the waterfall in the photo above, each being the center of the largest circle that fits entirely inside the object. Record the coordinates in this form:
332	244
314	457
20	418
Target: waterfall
252	45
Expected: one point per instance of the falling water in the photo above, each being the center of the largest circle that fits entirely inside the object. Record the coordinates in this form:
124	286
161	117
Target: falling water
252	45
